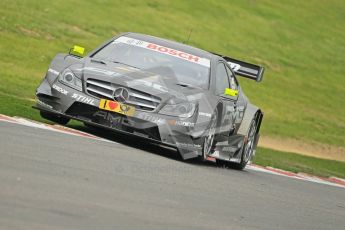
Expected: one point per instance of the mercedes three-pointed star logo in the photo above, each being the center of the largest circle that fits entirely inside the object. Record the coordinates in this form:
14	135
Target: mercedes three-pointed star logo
121	94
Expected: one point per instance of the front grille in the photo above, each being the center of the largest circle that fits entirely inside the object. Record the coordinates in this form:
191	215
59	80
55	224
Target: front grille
138	99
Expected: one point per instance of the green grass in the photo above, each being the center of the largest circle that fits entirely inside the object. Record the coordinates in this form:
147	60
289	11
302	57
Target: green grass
301	43
298	163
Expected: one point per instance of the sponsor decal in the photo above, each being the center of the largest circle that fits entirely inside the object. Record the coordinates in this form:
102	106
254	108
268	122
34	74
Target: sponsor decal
234	66
153	119
113	119
159	120
59	89
83	99
234	114
229	149
188	145
181	123
185	123
117	107
164	50
53	71
205	114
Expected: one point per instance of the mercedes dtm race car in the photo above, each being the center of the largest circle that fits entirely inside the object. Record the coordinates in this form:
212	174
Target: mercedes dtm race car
167	92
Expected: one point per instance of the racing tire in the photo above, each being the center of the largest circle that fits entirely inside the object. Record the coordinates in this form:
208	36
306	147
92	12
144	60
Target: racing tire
208	142
248	148
54	118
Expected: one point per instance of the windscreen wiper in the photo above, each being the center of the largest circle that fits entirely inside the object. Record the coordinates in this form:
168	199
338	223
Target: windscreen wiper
117	62
187	85
98	61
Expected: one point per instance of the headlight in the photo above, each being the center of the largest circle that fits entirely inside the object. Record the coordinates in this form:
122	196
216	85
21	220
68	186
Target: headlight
183	110
67	77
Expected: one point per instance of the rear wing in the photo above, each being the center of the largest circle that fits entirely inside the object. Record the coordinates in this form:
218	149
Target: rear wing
245	69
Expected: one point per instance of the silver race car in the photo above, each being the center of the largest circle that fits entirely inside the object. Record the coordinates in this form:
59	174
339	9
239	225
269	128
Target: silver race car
164	91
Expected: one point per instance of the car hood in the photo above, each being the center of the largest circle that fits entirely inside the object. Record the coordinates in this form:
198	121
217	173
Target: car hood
153	82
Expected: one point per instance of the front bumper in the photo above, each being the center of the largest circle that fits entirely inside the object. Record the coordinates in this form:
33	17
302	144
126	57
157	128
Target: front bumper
170	131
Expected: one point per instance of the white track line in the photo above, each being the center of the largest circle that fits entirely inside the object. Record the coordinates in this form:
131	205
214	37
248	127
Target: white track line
55	128
300	176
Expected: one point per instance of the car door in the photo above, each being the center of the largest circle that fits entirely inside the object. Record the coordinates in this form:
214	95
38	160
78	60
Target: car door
227	97
240	100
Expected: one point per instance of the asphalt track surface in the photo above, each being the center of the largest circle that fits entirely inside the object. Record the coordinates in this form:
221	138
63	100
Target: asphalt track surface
50	180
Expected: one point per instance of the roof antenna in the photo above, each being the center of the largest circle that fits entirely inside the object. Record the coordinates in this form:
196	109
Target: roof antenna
190	33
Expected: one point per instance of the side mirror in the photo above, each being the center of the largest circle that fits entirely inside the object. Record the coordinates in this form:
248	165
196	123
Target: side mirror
231	92
77	51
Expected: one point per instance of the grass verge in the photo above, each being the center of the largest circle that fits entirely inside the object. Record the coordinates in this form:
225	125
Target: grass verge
298	163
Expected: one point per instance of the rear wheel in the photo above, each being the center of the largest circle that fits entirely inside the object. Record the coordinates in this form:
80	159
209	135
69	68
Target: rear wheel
54	118
247	150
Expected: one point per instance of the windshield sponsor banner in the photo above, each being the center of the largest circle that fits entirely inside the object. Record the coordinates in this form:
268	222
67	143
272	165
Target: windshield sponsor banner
165	50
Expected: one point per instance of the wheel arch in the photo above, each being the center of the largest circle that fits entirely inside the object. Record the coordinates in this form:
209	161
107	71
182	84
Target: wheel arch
258	117
251	112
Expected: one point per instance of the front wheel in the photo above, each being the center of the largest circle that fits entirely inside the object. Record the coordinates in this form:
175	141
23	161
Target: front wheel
248	148
208	143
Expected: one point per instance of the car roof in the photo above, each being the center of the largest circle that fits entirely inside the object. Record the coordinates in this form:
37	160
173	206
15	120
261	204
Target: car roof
171	44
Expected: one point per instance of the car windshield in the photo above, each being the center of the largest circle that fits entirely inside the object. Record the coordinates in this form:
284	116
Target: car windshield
186	69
